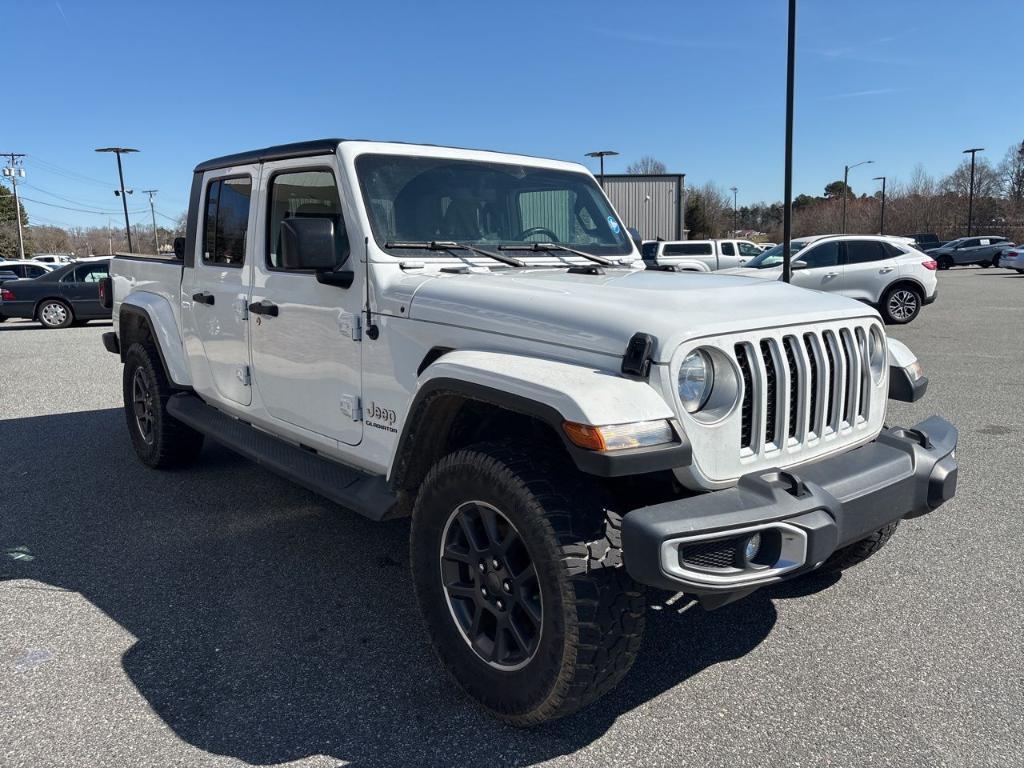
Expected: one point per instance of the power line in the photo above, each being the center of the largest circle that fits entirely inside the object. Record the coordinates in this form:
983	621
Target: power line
67	199
56	169
79	210
14	173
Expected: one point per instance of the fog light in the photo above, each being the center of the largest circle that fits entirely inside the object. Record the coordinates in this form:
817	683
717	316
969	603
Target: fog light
752	547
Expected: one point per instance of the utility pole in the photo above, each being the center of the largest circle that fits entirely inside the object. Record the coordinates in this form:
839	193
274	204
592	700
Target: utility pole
787	203
970	198
881	221
124	200
14	173
602	154
152	212
846	186
734	190
110	239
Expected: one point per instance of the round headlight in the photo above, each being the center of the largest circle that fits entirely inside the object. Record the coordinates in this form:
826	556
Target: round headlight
696	378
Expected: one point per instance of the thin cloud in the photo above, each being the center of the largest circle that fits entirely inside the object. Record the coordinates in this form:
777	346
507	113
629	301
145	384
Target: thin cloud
63	15
860	94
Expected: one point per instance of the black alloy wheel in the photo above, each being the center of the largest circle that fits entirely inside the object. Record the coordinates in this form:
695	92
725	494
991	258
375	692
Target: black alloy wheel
491	586
142	406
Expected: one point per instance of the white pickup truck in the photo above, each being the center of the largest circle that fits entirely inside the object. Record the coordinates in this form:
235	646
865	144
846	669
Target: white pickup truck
471	338
697	255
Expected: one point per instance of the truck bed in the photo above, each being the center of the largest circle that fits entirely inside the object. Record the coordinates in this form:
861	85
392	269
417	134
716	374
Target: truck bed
147	273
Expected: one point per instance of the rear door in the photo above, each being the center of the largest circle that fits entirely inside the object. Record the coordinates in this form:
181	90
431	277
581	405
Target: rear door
728	257
868	268
824	271
967	251
81	287
214	291
306	352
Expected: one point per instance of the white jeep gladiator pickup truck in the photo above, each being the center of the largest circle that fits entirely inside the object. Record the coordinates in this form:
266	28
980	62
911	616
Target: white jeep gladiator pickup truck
697	255
470	338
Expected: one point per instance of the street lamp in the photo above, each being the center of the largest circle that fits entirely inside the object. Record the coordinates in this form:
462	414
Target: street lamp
970	198
602	154
881	223
734	190
846	186
124	199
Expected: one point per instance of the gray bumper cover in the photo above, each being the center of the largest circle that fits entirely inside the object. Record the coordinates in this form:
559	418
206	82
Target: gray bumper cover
817	507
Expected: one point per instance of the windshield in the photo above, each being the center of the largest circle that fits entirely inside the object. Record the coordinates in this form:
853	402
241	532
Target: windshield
773	256
425	199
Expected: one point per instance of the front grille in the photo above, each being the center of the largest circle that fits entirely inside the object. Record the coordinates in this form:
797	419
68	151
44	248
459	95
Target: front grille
800	388
719	554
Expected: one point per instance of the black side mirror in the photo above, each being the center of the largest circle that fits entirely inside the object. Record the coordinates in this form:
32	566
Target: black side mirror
308	244
634	233
179	247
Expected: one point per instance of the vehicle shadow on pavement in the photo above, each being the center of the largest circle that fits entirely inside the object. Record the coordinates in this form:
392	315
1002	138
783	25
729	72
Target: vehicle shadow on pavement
273	626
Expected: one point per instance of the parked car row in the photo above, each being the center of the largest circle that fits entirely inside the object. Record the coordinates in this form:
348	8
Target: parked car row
983	250
58	297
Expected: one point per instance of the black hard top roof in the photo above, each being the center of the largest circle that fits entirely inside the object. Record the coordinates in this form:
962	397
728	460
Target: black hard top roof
279	152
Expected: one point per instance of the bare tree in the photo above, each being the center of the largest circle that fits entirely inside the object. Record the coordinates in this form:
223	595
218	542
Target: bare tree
1012	171
646	165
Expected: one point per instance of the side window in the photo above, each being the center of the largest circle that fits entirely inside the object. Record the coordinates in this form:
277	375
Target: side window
824	255
34	271
227	219
984	241
92	273
728	250
649	250
746	249
687	249
892	251
305	194
863	251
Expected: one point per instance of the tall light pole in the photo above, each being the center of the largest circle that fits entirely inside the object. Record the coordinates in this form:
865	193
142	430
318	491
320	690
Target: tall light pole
13	172
734	190
787	203
846	186
881	220
124	200
970	196
152	212
602	154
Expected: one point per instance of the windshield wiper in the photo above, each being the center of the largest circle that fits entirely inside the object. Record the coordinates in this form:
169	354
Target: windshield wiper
450	245
558	247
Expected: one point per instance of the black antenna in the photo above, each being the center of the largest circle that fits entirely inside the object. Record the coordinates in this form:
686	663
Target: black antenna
372	331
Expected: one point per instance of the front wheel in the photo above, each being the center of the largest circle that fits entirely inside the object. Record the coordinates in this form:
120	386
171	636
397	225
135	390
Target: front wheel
900	304
160	440
517	565
859	551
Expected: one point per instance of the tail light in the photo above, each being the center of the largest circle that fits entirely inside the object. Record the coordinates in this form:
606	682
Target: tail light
930	264
106	293
6	294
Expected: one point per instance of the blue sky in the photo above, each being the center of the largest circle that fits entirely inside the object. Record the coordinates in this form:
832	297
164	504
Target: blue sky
700	85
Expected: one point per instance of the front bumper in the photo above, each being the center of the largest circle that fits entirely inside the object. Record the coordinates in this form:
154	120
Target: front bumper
696	545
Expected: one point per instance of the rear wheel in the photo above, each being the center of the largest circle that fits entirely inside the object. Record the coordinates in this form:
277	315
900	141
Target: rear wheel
160	440
54	313
517	565
945	262
900	304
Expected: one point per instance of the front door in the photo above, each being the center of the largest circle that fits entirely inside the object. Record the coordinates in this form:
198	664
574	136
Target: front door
823	270
868	268
214	291
305	347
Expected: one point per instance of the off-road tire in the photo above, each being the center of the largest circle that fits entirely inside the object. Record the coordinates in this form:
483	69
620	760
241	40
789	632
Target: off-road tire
170	443
52	309
593	612
859	551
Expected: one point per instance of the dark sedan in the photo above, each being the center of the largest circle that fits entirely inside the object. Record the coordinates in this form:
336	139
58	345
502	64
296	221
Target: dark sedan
65	296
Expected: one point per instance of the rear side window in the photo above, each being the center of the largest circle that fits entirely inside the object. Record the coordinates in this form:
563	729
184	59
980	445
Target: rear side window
728	250
227	220
687	249
863	251
305	194
87	273
892	251
34	271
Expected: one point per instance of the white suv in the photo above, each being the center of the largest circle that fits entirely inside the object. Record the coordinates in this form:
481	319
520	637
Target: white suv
882	271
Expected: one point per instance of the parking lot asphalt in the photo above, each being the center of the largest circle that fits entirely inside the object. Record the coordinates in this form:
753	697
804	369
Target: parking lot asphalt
222	616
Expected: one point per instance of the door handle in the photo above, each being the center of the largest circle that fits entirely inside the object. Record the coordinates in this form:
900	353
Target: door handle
263	308
831	274
203	298
885	270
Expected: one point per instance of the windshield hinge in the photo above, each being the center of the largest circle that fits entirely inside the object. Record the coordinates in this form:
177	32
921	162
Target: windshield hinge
350	325
351	407
243	375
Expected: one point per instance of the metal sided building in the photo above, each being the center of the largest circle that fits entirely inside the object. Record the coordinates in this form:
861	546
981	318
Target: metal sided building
654	204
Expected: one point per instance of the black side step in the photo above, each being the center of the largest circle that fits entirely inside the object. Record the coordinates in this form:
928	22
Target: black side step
369	495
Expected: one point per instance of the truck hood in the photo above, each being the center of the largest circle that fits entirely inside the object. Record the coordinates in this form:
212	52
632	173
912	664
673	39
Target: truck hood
600	313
